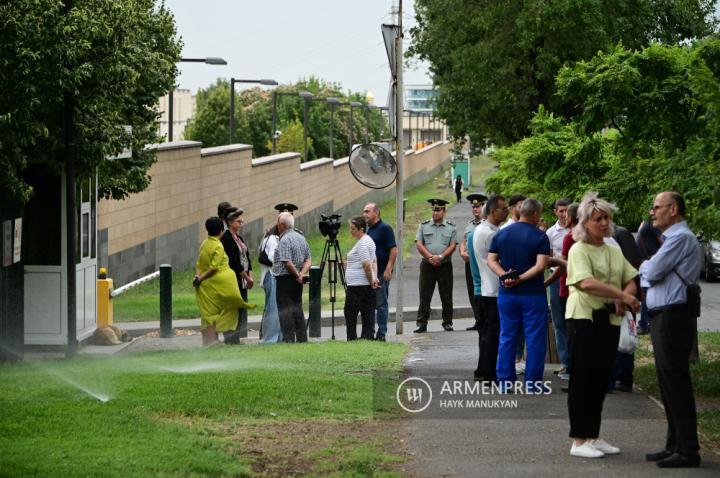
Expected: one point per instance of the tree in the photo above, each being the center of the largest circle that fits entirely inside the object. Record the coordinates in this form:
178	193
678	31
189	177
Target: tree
291	139
494	63
645	121
253	117
116	58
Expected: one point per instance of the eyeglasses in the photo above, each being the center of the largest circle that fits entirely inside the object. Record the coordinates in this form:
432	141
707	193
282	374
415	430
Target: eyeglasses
438	209
655	207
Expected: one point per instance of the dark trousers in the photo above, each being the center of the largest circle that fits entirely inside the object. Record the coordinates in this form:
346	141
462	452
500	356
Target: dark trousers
624	367
289	301
477	311
591	354
672	333
233	336
360	299
488	338
443	277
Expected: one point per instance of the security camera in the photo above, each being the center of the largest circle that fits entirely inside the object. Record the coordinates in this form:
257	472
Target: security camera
277	134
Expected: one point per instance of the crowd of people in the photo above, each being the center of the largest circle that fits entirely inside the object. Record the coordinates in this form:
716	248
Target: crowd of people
599	276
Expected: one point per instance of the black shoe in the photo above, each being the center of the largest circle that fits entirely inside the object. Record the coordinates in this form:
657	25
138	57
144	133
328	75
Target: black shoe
420	330
659	455
447	327
621	387
564	389
380	338
474	327
677	460
643	330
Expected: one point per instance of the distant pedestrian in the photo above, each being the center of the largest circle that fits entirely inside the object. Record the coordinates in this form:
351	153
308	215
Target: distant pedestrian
435	241
458	187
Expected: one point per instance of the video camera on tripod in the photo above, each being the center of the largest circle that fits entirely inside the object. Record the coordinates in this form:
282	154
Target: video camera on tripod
329	227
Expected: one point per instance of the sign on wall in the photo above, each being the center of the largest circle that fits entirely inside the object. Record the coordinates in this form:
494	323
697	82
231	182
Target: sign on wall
17	240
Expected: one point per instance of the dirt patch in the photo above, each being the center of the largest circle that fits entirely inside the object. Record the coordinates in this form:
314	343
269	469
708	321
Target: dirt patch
288	448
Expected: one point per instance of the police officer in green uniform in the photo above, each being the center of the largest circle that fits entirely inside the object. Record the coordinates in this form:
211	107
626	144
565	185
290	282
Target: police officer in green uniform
477	201
435	241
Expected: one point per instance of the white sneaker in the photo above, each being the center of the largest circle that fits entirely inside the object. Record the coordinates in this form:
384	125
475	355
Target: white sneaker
586	450
519	368
605	447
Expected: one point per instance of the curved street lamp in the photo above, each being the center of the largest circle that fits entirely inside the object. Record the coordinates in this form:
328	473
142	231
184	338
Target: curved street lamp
306	96
211	60
232	100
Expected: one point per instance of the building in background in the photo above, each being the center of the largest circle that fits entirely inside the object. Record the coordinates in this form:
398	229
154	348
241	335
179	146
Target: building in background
420	126
183	110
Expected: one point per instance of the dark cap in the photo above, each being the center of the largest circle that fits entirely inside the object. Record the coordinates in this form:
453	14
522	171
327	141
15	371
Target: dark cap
476	198
438	202
286	207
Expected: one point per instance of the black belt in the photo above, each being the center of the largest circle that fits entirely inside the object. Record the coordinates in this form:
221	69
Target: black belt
666	308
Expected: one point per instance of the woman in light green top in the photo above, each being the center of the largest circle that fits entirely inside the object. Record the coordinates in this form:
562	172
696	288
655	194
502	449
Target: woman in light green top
601	285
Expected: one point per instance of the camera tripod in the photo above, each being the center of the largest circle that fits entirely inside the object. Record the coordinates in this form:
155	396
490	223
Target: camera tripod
332	255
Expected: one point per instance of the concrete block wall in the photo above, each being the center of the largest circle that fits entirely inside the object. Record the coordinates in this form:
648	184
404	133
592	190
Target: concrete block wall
165	223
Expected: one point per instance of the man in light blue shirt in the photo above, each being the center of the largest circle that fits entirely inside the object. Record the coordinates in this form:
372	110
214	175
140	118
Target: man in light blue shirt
666	276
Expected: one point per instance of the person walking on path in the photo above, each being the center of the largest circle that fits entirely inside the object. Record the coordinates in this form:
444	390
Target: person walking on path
290	267
519	255
601	285
477	201
489	332
670	277
386	252
458	187
435	241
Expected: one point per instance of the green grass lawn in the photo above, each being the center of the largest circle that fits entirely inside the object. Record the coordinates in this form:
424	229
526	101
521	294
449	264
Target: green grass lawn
142	303
220	411
706	381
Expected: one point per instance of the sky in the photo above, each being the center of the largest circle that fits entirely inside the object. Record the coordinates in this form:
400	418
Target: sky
287	40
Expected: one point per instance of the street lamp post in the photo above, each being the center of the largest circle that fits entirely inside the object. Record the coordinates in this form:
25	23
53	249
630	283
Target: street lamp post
275	136
332	102
232	100
306	96
353	104
211	60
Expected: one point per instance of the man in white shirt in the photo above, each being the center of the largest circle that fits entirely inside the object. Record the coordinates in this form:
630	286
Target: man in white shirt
489	332
556	234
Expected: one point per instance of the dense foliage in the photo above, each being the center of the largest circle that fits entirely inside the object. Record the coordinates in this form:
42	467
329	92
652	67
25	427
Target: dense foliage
659	112
115	58
253	118
494	63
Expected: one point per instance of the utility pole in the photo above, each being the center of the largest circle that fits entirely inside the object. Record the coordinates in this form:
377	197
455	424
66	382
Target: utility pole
399	158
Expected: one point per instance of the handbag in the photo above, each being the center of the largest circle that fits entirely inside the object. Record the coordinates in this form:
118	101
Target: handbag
263	257
628	334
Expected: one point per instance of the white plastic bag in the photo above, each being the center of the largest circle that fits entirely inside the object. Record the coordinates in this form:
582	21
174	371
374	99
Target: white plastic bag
628	334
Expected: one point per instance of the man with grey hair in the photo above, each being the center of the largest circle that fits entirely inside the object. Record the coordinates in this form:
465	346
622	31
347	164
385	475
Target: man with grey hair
291	263
519	254
386	252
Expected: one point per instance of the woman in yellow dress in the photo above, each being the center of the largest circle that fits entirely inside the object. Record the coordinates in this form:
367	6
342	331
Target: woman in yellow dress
216	287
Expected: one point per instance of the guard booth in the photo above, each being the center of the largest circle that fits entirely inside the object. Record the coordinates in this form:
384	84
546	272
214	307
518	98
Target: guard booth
45	255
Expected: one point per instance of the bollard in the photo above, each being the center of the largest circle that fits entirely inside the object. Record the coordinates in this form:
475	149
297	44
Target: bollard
404	204
315	301
104	301
166	330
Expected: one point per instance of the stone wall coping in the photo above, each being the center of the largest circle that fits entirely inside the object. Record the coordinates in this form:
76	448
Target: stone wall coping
273	158
224	149
315	163
341	162
174	145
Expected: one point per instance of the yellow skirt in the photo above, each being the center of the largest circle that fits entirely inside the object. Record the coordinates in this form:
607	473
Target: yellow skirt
219	299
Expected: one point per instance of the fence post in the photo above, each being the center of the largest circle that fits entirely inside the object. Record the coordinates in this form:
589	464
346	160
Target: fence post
315	302
166	330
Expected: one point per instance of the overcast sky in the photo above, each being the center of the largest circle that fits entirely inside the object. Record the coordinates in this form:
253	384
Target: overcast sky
286	40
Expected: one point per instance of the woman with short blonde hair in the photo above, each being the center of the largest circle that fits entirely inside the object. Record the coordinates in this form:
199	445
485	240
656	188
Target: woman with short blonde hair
601	285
